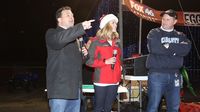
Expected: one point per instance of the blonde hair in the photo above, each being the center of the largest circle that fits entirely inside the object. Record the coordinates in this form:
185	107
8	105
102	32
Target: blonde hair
107	33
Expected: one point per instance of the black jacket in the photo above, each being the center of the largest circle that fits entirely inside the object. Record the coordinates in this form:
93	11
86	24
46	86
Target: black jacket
162	59
64	62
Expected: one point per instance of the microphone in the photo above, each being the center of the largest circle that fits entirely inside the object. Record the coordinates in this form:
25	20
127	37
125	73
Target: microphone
81	42
114	55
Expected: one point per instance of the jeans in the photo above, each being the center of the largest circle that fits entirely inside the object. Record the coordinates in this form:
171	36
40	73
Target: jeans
167	85
104	97
63	105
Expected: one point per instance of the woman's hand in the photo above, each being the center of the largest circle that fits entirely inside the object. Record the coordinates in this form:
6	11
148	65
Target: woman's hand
110	60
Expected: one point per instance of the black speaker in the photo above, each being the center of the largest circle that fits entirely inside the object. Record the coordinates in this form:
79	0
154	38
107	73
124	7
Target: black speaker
136	66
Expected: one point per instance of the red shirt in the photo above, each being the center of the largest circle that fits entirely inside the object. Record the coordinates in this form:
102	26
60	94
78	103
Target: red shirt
100	50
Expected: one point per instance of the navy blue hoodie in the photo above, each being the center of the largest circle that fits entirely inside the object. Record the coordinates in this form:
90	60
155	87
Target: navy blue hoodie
162	59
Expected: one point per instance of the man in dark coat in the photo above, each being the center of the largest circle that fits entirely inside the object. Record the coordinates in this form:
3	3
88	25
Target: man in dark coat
64	62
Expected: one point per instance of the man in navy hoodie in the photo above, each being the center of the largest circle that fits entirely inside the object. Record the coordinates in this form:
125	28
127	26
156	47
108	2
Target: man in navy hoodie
167	48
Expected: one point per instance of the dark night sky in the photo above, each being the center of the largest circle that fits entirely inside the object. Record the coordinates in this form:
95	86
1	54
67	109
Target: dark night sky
23	25
24	22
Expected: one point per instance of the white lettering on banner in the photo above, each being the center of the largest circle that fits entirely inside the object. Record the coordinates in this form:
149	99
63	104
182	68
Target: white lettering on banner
141	11
149	12
192	19
137	7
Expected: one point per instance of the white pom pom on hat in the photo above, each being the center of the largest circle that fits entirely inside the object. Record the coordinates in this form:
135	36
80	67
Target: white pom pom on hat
106	19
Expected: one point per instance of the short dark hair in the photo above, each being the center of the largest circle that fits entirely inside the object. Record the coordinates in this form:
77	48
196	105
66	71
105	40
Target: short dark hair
59	11
169	12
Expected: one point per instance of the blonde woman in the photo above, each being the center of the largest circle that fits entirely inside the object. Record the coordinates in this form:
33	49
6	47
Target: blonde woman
104	56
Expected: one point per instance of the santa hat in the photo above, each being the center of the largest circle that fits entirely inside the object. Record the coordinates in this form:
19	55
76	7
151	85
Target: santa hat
106	19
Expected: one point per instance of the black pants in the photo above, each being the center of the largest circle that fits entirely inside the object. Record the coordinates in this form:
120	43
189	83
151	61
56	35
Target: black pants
83	103
104	97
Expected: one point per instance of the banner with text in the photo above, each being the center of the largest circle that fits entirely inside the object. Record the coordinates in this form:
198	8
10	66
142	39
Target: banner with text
150	14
